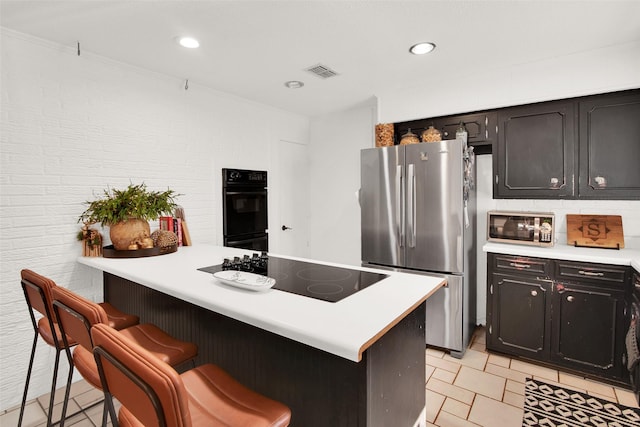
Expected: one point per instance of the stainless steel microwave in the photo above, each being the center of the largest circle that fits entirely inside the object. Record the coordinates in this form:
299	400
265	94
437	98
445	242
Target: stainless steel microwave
525	228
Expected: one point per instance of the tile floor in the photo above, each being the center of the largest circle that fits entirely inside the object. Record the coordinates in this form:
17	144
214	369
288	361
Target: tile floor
83	399
481	389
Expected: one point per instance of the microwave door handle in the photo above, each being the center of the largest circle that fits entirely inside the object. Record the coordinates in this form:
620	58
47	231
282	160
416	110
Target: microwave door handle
399	206
411	181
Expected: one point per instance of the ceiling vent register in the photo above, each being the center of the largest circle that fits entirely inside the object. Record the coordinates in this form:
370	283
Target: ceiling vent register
322	71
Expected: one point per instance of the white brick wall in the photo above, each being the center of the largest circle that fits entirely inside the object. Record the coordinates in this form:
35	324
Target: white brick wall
71	126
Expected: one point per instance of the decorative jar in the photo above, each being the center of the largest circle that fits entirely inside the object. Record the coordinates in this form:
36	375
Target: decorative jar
409	138
384	135
431	135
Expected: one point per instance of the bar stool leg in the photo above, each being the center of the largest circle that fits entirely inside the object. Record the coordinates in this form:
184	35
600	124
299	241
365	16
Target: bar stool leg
53	387
109	411
68	387
26	385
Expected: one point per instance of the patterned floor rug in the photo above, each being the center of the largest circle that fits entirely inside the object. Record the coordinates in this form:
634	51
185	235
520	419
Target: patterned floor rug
552	406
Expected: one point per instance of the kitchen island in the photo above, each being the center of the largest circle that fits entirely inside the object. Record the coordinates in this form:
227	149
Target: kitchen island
356	362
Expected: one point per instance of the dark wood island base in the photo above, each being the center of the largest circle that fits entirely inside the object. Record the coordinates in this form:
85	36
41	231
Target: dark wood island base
386	388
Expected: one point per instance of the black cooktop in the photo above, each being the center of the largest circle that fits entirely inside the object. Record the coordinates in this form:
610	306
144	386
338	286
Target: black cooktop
311	280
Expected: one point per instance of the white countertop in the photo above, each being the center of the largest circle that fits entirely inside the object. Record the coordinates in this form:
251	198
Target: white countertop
345	328
571	253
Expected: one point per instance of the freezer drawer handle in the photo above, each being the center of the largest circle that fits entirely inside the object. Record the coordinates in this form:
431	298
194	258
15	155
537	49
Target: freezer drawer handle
591	273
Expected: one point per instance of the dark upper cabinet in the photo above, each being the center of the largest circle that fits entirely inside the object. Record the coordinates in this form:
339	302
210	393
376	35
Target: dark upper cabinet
610	147
577	148
535	155
580	148
481	128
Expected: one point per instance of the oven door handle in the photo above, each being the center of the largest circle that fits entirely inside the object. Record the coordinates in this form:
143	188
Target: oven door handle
247	193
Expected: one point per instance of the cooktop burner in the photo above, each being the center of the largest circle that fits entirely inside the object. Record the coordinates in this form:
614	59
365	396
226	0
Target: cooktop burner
303	278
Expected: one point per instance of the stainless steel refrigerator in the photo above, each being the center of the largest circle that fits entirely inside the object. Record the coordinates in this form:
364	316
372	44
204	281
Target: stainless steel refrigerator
418	215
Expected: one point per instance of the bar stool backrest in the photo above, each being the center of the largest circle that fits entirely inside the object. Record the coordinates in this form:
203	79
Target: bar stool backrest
37	291
149	388
38	294
77	315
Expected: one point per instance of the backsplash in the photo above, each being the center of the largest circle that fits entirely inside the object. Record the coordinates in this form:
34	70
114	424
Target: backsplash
628	209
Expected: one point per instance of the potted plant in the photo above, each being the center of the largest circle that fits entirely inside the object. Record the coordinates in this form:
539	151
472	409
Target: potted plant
127	213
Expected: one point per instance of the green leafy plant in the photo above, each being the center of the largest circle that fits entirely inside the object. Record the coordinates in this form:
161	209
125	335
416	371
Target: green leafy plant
133	202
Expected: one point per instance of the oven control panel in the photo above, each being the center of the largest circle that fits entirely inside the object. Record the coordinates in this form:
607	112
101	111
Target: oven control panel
239	177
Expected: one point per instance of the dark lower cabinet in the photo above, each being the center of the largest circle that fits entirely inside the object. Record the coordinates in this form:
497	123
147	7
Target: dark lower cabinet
587	334
518	324
635	319
578	324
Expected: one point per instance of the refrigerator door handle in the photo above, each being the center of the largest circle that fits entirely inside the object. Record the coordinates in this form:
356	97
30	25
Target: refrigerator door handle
399	206
411	206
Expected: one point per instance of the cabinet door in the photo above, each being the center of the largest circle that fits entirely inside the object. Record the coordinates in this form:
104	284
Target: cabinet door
517	315
610	147
535	155
481	129
587	327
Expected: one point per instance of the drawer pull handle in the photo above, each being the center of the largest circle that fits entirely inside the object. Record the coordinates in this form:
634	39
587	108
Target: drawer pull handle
591	273
517	265
534	293
570	298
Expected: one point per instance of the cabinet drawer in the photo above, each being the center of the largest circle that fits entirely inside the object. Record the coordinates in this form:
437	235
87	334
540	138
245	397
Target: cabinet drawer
521	265
601	274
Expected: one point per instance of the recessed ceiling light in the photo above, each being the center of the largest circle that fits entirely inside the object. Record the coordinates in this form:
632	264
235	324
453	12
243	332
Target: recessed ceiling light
189	42
294	84
422	48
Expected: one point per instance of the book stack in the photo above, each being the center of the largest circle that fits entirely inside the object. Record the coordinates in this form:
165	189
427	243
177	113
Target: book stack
169	223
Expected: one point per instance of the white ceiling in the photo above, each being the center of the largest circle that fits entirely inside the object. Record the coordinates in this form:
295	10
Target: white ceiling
250	48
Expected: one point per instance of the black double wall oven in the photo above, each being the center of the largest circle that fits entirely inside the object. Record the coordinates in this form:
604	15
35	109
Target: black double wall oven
244	209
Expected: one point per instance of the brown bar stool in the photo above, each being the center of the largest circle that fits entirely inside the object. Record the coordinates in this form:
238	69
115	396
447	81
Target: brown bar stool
76	315
153	394
37	292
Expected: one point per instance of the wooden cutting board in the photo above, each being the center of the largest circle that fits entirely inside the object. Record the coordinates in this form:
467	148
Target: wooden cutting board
596	231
